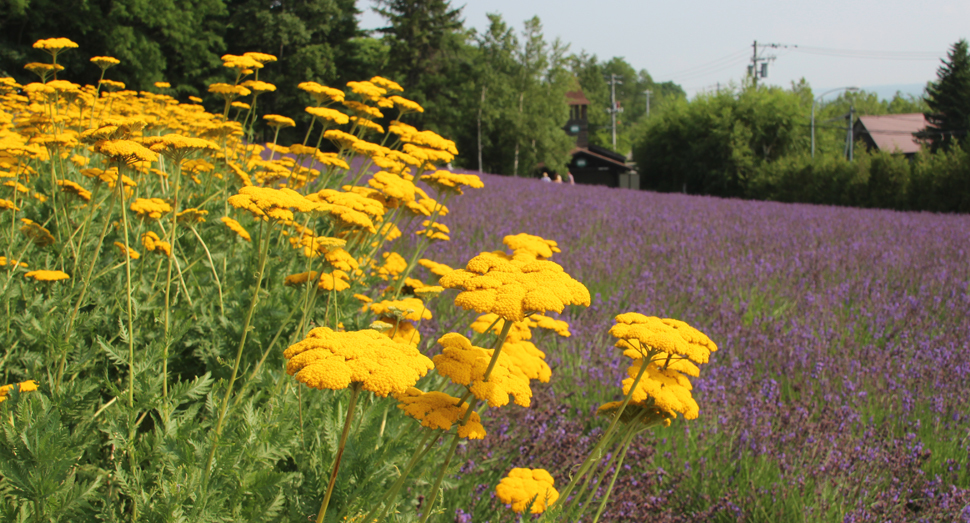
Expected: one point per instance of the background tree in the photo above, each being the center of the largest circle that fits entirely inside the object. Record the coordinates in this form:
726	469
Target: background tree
178	41
948	99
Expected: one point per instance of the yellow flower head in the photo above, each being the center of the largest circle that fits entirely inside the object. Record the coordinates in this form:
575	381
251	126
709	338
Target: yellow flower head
386	84
105	62
8	205
195	99
24	386
407	308
262	58
638	334
153	243
73	188
520	330
227	91
152	208
434	141
362	109
405	105
163	85
54	45
275	120
529	359
39	235
394	264
13	263
393	186
434	231
332	115
669	390
340	138
176	146
258	87
125	151
131	253
447	181
523	487
333	360
322	93
266	202
437	410
111	85
235	227
513	287
540	247
466	364
438	269
367	90
192	216
47	275
367	124
240	62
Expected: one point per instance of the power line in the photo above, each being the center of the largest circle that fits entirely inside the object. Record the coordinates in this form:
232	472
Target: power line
867	54
714	63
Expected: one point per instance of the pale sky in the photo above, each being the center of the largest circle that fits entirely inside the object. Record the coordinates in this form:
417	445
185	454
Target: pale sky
698	44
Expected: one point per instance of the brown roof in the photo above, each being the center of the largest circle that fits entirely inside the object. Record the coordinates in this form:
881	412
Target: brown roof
894	132
583	150
576	98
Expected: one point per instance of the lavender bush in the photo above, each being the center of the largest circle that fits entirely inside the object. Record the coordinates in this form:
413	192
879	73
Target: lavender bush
840	390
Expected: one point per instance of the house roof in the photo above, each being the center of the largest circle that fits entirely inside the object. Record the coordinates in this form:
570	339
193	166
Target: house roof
576	98
587	152
894	132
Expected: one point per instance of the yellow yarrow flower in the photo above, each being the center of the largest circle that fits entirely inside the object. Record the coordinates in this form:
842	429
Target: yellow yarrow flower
152	208
387	84
266	202
407	308
104	62
437	410
332	115
541	247
636	413
192	216
24	386
447	181
405	105
47	275
465	364
523	487
163	85
131	253
13	263
637	334
434	231
37	233
438	269
153	243
333	360
125	151
275	120
529	359
73	188
511	288
322	93
7	204
394	264
669	390
236	227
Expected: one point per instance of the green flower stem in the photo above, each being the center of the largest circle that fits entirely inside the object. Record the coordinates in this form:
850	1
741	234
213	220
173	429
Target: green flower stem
354	392
497	348
619	466
419	453
84	289
597	453
272	344
264	237
212	264
131	332
173	251
421	248
624	437
444	468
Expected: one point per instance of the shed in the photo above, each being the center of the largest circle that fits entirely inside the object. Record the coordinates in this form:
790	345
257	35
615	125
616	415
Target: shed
891	132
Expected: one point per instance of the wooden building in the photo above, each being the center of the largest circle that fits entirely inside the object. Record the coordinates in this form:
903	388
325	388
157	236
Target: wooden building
592	165
890	132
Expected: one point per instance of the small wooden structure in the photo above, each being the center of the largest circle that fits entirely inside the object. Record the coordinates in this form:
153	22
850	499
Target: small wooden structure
592	165
890	132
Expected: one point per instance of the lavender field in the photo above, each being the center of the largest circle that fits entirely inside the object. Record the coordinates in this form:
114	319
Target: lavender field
840	390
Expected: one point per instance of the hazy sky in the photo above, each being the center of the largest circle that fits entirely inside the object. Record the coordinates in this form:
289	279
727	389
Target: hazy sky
698	44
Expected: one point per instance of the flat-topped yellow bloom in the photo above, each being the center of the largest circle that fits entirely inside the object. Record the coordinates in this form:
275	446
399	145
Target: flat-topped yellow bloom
8	205
367	90
513	287
36	232
258	87
437	410
163	85
407	308
434	231
394	264
192	216
24	386
131	253
390	85
636	413
405	105
444	180
393	186
465	364
275	120
362	109
541	247
228	91
266	202
105	62
13	263
322	93
47	275
325	113
351	200
340	138
73	188
333	360
236	227
152	208
438	269
54	44
125	151
637	333
262	58
367	124
241	62
529	358
669	390
523	487
175	145
153	243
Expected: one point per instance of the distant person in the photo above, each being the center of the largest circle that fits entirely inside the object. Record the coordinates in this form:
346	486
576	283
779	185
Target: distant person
557	179
569	178
545	177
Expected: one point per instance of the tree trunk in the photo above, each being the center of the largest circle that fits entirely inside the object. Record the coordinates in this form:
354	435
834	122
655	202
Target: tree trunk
515	165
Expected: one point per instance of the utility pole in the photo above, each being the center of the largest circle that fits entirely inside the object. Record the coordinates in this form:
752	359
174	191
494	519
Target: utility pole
849	138
648	93
613	108
759	64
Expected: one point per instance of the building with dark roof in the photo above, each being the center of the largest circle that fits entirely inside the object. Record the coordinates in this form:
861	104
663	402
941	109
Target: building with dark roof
891	132
592	165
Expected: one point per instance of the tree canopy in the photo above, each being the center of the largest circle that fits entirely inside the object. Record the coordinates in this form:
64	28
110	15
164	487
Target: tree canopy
948	99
